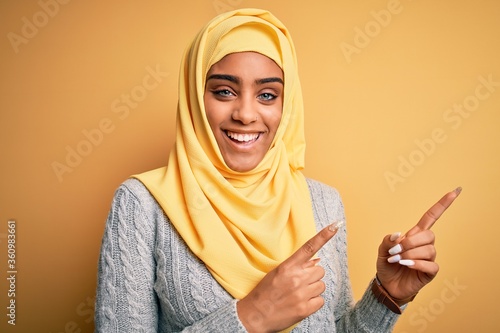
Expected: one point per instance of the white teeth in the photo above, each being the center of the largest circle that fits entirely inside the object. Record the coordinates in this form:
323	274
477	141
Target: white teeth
242	137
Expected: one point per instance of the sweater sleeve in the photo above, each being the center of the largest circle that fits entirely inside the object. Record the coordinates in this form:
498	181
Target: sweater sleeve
127	298
224	320
366	315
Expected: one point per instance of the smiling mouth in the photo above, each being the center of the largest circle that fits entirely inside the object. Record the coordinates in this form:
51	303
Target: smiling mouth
242	137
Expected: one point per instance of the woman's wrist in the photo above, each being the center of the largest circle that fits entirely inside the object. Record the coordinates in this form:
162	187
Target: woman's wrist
383	296
250	317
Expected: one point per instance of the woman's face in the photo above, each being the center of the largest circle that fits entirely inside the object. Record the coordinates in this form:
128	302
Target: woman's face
243	102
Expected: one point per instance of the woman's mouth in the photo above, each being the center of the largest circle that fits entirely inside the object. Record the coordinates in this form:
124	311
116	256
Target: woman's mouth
242	137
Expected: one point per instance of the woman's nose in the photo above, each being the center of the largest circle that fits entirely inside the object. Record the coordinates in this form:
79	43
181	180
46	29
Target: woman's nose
245	111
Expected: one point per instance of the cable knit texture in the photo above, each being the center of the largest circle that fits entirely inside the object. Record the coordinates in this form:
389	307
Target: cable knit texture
149	280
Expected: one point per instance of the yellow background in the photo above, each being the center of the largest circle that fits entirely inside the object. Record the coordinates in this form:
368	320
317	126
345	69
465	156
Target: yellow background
375	89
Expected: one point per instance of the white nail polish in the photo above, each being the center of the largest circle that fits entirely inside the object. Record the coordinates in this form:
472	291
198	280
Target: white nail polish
394	236
395	249
394	259
336	225
406	262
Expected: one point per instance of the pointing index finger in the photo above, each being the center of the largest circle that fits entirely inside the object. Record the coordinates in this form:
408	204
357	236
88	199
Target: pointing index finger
313	245
434	213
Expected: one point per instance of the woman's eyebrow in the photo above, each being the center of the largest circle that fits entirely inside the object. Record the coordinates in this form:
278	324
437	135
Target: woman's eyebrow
226	77
269	79
237	80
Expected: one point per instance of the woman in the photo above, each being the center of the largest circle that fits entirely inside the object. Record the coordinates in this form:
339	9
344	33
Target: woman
224	238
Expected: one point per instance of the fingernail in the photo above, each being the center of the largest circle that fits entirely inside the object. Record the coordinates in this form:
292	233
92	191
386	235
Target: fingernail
394	259
394	236
316	261
395	249
406	262
312	261
458	190
336	226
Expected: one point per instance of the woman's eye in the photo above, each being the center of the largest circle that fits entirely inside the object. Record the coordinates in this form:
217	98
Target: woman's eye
267	96
223	93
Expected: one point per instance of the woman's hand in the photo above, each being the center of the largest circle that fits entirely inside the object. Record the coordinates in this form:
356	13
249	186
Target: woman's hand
407	263
290	292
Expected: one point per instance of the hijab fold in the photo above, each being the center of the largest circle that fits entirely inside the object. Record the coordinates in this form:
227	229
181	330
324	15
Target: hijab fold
240	224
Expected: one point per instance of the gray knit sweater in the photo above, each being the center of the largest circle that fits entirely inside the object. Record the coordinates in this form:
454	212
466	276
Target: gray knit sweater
150	281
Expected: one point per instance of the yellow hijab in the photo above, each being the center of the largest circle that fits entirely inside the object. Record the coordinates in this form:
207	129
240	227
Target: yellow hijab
240	224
